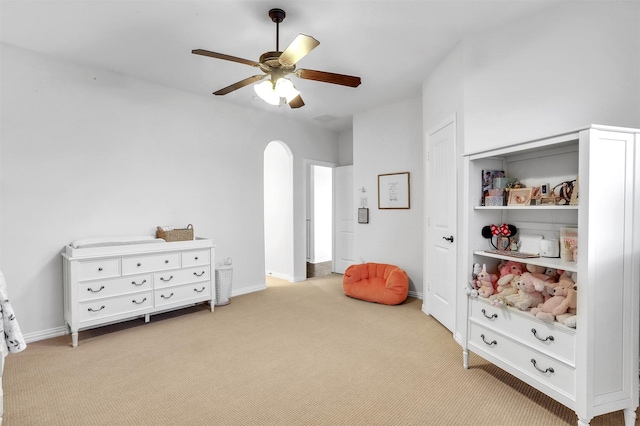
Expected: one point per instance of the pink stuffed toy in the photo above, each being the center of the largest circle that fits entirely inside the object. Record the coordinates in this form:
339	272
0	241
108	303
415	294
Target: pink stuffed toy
527	295
557	304
485	281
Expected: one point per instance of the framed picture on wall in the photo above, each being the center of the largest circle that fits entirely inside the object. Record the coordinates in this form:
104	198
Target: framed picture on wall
393	191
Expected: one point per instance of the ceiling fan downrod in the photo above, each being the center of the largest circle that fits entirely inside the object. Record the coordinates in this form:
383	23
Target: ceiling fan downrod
277	16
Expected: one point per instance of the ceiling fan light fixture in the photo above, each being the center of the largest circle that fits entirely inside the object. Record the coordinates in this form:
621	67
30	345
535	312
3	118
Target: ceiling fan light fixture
267	92
285	89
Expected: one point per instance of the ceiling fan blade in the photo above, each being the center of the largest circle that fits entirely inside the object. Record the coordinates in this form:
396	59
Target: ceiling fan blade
225	57
298	49
329	77
296	102
240	84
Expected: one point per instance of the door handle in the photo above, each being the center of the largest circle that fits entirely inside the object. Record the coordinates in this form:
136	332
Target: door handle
450	239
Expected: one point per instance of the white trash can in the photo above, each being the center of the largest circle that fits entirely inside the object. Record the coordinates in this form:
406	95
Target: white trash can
224	277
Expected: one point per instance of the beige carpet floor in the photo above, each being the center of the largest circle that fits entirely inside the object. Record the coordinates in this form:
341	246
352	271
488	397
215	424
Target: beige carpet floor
294	354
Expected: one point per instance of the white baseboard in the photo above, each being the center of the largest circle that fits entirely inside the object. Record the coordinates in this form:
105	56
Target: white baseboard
45	334
247	290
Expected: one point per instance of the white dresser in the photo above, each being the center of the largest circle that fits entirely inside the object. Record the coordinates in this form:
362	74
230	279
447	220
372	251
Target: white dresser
592	369
114	283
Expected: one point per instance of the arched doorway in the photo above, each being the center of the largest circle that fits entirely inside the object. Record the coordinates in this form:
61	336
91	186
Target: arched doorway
278	211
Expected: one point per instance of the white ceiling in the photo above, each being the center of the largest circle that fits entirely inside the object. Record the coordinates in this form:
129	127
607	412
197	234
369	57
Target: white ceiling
391	45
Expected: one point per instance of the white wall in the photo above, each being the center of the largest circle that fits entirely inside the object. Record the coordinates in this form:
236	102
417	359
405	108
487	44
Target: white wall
346	147
87	152
389	140
564	68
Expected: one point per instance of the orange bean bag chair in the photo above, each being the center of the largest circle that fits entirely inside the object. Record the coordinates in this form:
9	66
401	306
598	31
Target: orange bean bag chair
376	282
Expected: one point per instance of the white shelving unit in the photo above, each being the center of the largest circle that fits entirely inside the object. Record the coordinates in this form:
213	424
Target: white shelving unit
592	369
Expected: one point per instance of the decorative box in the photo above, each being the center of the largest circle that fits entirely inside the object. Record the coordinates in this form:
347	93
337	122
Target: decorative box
493	201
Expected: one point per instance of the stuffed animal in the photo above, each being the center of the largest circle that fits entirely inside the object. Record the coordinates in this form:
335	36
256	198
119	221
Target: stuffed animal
556	305
527	295
484	282
542	272
570	304
507	289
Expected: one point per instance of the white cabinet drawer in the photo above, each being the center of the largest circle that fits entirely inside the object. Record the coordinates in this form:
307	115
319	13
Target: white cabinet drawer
182	276
158	262
106	288
104	308
97	269
180	294
196	258
553	339
541	368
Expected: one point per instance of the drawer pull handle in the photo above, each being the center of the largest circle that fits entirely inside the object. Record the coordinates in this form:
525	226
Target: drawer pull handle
548	370
535	333
100	269
198	291
138	303
493	342
166	279
198	275
96	310
96	291
166	297
494	316
135	283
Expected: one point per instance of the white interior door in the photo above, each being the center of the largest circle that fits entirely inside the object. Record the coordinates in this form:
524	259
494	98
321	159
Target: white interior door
344	219
441	236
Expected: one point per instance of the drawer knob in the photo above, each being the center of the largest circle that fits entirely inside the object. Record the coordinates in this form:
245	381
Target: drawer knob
166	279
139	265
166	261
198	275
138	303
196	258
198	291
494	316
166	297
535	333
135	283
100	269
493	342
548	370
96	291
96	310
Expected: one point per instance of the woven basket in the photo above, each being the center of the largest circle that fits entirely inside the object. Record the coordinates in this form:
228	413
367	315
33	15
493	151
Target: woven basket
185	234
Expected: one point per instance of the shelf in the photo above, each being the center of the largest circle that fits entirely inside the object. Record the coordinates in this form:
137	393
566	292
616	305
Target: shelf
547	262
538	207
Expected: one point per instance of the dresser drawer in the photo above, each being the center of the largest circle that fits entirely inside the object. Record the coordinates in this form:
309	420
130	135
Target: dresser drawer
553	339
541	368
157	262
196	258
180	294
181	276
104	308
97	269
106	288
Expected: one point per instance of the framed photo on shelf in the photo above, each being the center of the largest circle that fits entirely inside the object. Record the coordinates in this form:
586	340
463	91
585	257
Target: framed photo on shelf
393	191
519	197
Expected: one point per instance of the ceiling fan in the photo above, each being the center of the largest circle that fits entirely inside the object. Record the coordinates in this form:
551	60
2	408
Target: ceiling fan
275	87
